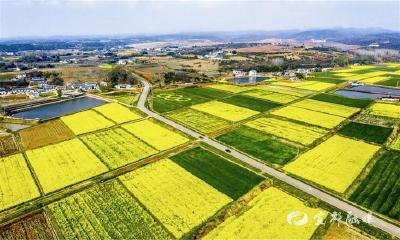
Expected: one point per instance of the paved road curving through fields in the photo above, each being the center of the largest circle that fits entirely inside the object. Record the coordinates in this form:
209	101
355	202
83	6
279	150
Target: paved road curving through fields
340	204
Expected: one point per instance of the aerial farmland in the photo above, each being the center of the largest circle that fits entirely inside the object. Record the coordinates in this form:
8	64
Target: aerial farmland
113	172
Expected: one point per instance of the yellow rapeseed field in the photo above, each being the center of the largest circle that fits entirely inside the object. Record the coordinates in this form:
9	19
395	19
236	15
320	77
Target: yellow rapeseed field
307	85
266	217
396	143
86	121
386	110
178	199
368	75
117	112
228	87
374	79
309	116
224	110
335	163
155	135
344	74
16	183
289	130
286	91
271	96
63	164
325	107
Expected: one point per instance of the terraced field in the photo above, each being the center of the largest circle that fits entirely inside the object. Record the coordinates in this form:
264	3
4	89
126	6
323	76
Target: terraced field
308	116
334	164
260	145
220	173
270	96
200	121
386	110
157	136
63	164
295	132
307	85
226	111
86	121
117	113
265	217
366	132
380	190
16	182
117	147
106	211
43	134
325	107
251	103
174	196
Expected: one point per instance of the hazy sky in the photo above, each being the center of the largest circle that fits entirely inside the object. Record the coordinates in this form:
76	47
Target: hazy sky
88	17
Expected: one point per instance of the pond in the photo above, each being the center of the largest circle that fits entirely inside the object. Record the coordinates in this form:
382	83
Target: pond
375	89
354	94
247	80
59	109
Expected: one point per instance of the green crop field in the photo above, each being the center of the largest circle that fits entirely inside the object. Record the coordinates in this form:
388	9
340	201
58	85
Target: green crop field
200	121
106	211
380	190
351	102
259	145
117	147
255	104
166	101
223	175
369	133
35	226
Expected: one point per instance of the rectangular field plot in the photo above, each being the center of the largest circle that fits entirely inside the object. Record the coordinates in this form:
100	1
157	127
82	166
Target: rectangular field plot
350	102
16	182
380	190
117	112
63	164
325	107
375	79
86	121
179	200
229	87
8	145
44	134
270	96
106	211
116	147
342	230
285	91
309	116
265	217
226	111
386	110
155	135
366	132
200	121
334	164
254	104
166	101
259	145
225	176
307	85
289	130
32	227
396	143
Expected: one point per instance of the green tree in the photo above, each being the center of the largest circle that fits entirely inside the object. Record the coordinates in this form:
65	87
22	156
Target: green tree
120	75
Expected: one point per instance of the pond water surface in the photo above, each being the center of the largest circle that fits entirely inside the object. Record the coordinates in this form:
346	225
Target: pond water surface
59	109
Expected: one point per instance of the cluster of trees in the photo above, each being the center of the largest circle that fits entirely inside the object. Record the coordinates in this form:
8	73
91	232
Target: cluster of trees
120	75
184	77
